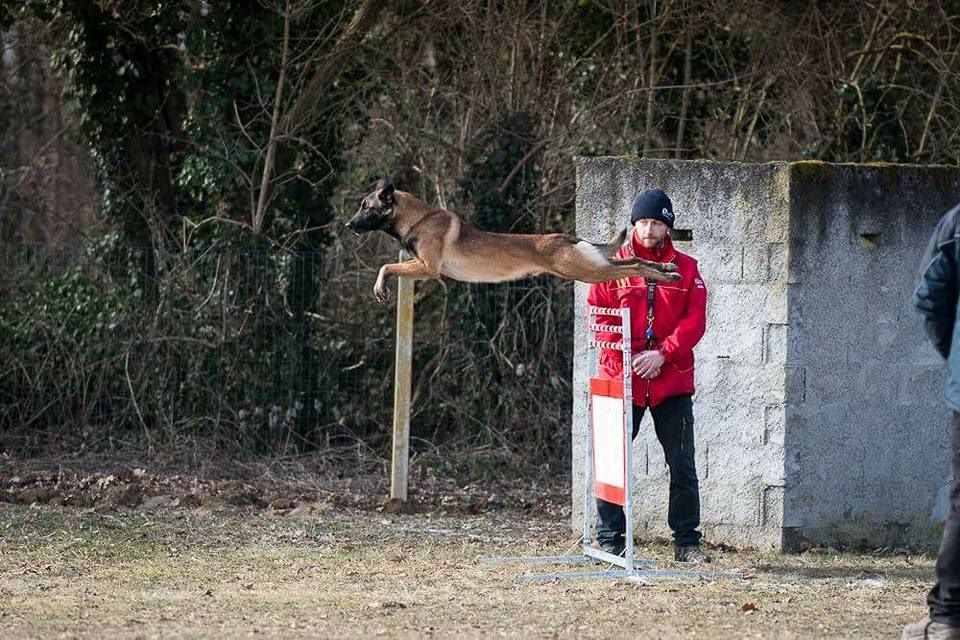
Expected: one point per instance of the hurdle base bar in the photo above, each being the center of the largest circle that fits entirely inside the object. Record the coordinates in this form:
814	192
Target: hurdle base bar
537	560
591	555
638	575
609	558
642	567
549	577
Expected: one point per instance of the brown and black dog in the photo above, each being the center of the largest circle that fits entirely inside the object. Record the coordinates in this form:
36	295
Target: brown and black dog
443	244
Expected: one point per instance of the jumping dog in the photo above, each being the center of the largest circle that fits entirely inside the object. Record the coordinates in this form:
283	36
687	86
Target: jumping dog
443	244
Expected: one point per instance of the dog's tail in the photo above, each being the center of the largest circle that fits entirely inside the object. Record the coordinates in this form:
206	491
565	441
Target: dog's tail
611	247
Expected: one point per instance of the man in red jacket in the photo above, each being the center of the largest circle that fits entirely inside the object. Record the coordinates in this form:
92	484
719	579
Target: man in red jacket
667	321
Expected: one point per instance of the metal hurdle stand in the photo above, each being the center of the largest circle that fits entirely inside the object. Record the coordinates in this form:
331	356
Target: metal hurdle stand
588	555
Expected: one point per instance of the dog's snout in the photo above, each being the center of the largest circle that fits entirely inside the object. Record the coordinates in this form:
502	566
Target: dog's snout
354	225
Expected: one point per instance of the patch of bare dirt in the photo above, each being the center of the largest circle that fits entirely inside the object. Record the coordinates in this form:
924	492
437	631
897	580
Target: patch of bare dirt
275	488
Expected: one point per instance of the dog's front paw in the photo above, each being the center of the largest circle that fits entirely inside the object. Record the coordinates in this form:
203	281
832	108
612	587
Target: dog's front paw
381	293
672	277
668	267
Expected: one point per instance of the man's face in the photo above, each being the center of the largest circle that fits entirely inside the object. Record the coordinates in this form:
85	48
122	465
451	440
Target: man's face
650	232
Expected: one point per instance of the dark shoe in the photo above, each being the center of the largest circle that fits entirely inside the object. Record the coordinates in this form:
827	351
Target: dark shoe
613	548
692	554
925	629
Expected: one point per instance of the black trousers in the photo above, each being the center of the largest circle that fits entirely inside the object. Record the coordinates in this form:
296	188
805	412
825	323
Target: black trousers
944	598
673	422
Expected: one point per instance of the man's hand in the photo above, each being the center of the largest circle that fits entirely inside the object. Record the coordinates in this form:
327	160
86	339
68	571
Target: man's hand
646	364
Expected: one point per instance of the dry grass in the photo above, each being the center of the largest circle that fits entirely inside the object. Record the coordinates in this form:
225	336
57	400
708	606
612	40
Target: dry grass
332	572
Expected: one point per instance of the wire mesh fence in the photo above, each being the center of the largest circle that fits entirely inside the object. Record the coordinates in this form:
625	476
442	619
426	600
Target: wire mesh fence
268	351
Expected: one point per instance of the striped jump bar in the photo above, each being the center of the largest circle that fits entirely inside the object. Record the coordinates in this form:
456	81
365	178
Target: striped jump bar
605	311
601	344
608	328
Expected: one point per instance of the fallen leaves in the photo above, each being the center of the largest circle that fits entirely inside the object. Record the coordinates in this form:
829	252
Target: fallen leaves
252	487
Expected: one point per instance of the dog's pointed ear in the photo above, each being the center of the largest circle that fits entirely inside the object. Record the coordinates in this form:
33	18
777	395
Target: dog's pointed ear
386	193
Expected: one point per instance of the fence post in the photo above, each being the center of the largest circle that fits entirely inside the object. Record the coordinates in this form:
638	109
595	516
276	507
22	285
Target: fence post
401	390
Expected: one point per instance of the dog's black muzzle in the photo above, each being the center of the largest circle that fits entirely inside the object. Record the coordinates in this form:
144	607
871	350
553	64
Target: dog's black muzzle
372	220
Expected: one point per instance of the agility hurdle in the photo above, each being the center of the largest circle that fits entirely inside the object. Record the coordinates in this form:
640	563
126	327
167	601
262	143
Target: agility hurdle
608	447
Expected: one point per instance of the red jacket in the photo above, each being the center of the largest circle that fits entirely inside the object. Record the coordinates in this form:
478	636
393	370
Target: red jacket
680	319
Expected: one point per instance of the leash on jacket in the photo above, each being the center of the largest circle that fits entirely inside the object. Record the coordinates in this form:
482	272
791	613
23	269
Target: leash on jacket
651	296
651	291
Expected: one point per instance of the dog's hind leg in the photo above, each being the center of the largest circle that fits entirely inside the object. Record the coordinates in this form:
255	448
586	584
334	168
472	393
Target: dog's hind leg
415	268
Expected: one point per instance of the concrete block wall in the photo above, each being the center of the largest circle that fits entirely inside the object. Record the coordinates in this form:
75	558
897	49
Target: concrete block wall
867	428
810	345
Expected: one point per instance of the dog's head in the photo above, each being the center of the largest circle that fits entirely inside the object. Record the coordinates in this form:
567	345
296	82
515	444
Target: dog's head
376	209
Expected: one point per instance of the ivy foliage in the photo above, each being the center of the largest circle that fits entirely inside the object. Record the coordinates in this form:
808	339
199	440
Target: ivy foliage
174	101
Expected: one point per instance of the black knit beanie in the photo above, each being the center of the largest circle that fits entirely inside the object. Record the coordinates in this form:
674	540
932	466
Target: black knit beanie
653	203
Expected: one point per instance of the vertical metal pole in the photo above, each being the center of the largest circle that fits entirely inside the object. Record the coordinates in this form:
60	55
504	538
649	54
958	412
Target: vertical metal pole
588	432
401	388
628	434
